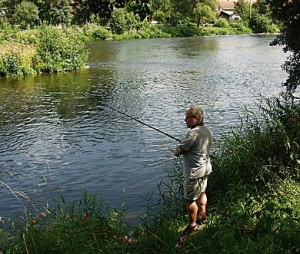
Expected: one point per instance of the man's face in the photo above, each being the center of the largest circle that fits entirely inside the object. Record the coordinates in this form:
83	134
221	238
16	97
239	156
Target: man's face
191	121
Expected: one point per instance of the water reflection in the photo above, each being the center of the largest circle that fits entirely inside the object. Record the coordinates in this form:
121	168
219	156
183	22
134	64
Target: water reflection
56	133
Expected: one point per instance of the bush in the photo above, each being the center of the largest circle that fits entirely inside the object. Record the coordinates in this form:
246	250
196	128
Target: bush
122	21
159	16
147	30
221	22
262	24
101	33
263	150
16	60
27	15
58	51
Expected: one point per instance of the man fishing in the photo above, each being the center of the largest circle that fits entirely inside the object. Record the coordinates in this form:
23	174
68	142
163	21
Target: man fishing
195	148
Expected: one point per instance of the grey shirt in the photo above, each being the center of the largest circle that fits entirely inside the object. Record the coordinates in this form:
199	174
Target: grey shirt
196	146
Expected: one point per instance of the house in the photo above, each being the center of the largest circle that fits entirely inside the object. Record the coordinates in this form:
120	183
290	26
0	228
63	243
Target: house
226	8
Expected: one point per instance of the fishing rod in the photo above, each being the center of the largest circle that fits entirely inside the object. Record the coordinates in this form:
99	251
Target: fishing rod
141	122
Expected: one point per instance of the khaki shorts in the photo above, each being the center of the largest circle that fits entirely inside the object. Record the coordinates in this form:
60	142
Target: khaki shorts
194	187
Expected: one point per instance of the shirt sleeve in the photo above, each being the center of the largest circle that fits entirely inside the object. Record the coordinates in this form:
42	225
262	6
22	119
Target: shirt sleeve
187	142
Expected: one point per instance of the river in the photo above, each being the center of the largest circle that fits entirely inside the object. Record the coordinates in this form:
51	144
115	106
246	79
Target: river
58	137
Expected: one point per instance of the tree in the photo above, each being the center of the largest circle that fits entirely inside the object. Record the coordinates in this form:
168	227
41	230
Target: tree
121	21
242	9
139	7
204	14
26	15
10	8
287	12
55	12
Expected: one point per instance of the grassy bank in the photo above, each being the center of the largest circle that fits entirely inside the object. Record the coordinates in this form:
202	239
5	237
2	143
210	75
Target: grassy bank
48	49
253	192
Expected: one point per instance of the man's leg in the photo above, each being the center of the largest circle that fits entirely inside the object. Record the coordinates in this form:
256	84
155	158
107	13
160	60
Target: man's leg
193	210
202	201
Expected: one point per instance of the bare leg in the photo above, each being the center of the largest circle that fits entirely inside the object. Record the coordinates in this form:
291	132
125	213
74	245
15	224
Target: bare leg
202	201
193	210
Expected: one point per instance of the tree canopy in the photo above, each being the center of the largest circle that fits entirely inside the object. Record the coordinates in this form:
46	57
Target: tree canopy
287	12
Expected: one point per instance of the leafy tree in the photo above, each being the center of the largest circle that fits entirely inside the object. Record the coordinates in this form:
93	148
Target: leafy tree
242	9
55	12
27	15
139	7
204	14
287	13
262	7
261	23
261	20
10	7
86	10
160	5
122	21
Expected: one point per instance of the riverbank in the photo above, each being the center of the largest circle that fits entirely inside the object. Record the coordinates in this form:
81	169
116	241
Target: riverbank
48	49
254	203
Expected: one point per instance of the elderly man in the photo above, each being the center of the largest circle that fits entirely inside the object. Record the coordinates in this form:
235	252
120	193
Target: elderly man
195	149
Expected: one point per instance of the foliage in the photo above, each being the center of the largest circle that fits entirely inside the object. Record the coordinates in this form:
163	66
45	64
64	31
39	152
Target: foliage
159	16
140	8
260	153
287	13
242	9
204	14
147	30
262	24
26	15
101	33
221	22
55	12
122	21
58	51
73	228
16	59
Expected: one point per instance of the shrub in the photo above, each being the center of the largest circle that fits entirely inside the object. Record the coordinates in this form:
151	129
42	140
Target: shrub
58	51
147	30
101	33
16	60
221	22
262	24
263	150
122	21
10	64
27	15
160	16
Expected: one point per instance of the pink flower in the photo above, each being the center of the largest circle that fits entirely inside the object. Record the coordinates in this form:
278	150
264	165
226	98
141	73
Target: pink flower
127	239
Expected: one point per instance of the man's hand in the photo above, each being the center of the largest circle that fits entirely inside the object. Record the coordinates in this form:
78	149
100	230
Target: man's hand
178	151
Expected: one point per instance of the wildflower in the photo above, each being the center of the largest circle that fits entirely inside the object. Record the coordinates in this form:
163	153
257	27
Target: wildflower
127	239
43	215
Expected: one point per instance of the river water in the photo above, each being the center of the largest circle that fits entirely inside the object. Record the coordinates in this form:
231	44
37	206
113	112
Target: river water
58	136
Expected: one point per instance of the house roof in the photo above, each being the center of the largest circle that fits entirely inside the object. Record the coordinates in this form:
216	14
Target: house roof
229	4
226	4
